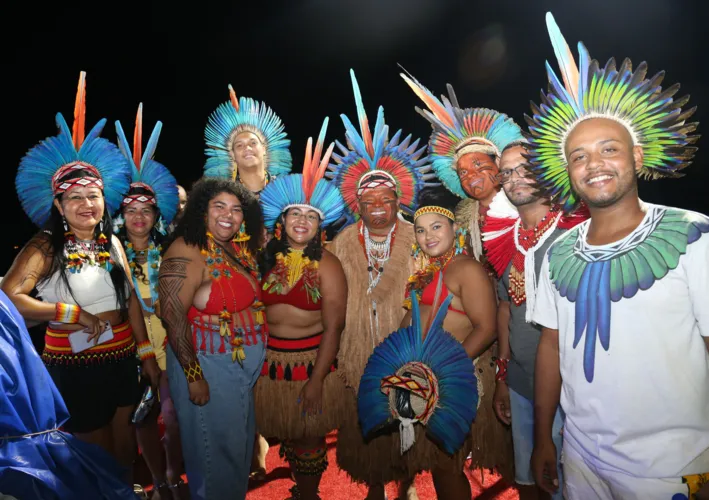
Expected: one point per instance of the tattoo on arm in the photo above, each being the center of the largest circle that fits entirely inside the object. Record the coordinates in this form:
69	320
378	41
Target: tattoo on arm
173	273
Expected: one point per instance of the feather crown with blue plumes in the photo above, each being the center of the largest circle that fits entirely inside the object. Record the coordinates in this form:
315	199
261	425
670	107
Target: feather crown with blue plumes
39	177
457	131
653	118
434	372
367	154
148	173
307	190
239	115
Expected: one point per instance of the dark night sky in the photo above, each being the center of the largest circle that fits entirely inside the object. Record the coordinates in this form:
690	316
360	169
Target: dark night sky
295	56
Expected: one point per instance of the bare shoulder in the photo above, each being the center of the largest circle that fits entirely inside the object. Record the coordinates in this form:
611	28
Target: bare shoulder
465	267
180	249
329	262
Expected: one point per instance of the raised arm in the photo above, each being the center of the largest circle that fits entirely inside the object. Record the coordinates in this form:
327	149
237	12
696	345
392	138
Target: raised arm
479	304
180	277
333	289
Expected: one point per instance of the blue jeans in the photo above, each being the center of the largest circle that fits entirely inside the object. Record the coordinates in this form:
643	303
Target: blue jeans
218	438
522	410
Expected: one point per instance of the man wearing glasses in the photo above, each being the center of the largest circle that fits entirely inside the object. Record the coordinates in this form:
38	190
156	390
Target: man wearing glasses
515	240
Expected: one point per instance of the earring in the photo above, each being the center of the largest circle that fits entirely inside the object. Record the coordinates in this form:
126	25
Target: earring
460	237
323	237
66	228
241	236
100	226
277	232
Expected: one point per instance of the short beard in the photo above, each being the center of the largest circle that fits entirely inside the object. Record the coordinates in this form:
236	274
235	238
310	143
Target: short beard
523	200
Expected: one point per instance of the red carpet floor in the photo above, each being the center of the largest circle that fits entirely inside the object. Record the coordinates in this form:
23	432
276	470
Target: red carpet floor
336	485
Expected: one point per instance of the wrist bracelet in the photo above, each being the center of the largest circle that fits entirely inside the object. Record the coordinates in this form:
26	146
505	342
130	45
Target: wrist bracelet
66	313
501	369
145	350
193	372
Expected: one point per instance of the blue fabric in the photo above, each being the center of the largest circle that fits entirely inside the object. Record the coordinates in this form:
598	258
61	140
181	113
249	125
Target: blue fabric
52	465
218	438
522	410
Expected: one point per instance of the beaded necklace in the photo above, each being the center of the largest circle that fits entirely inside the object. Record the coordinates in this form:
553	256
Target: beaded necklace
423	277
221	267
79	253
289	270
377	253
153	260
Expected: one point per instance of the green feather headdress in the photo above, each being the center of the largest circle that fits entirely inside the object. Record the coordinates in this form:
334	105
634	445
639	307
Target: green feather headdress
654	119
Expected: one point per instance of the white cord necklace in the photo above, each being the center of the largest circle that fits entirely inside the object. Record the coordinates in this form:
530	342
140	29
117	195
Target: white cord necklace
375	261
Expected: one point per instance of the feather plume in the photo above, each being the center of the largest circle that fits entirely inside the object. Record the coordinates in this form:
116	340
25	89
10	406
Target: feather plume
79	126
138	137
232	98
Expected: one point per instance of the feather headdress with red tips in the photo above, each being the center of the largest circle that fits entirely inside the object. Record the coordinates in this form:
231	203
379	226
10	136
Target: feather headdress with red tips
238	115
457	131
146	172
369	154
307	190
43	170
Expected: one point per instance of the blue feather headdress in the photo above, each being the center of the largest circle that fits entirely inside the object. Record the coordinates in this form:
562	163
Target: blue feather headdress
147	173
655	120
366	153
308	189
39	177
457	131
435	371
245	115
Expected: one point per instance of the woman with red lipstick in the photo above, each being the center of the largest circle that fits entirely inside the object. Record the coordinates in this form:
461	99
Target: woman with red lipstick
69	184
443	269
210	301
299	395
146	211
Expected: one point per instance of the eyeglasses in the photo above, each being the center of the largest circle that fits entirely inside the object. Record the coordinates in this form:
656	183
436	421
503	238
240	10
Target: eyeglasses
505	176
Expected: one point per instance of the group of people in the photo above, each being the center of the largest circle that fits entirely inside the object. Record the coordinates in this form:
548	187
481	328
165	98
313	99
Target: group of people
441	326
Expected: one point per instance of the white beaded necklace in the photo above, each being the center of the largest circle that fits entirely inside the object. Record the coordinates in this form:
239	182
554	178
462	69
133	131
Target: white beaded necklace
378	253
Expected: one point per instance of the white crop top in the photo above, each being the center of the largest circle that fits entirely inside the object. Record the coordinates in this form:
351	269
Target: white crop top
92	288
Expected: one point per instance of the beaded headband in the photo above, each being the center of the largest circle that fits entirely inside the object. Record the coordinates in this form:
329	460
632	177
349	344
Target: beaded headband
432	209
140	197
92	179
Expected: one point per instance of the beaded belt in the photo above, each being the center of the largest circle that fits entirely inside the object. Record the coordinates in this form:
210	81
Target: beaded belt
57	349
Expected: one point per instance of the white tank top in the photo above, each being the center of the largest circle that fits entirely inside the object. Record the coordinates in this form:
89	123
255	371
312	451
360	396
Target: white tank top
92	288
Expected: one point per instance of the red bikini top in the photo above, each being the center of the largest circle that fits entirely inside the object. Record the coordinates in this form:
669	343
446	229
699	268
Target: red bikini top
297	296
236	293
429	293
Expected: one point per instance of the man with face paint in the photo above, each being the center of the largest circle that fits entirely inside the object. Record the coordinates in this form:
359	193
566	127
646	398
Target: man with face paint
519	228
623	297
246	142
377	177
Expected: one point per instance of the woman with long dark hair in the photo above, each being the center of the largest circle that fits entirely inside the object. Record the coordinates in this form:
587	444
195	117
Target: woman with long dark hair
146	211
299	395
210	301
69	184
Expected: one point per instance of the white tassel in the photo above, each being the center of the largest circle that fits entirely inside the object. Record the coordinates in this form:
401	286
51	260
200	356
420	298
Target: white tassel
530	273
407	435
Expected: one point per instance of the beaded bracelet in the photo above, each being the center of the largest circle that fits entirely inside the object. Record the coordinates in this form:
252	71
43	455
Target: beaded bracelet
66	313
145	350
501	369
193	372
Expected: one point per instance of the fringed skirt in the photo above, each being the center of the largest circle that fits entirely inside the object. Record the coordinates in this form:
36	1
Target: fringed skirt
287	368
380	460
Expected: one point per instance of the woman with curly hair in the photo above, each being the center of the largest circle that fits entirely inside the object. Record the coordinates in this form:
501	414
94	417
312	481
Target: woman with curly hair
210	298
299	396
146	211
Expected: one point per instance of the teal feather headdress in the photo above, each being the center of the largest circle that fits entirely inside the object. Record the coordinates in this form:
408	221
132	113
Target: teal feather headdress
654	119
245	115
457	131
308	189
148	173
402	161
438	376
39	176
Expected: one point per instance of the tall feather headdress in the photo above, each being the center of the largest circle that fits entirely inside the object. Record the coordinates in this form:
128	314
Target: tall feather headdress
146	172
435	371
39	176
368	153
653	118
308	190
457	131
238	115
